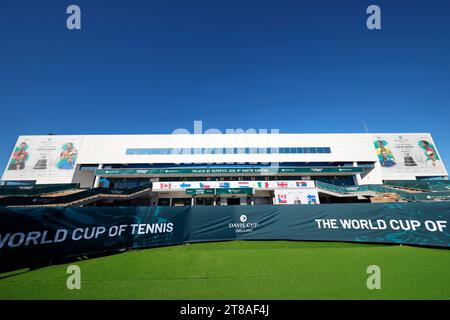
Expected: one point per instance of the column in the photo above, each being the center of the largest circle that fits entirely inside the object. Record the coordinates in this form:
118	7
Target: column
97	178
358	176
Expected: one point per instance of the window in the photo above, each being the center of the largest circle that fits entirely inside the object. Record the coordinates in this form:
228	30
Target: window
215	150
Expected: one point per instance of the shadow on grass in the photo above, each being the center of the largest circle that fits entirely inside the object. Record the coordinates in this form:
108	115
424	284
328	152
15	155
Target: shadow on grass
13	273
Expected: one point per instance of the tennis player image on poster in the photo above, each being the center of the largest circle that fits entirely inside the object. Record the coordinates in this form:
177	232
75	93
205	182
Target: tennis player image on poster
408	154
385	155
430	153
19	157
68	156
48	158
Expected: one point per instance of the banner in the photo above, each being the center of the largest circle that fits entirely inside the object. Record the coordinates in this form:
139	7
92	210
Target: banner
296	196
233	170
47	159
263	185
410	154
30	236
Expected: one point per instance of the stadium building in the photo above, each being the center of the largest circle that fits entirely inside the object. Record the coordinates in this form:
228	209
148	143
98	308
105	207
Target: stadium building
224	169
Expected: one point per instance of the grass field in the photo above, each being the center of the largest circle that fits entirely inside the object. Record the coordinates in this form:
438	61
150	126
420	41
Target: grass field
245	270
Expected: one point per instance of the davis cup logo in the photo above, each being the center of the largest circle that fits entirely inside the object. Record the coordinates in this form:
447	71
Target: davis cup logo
243	226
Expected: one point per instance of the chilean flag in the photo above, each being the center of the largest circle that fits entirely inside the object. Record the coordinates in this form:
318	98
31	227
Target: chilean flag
300	183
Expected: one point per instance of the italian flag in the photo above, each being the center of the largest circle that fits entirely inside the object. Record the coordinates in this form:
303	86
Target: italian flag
263	184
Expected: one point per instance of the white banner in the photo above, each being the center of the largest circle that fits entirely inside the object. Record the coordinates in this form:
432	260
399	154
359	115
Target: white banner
47	159
410	154
296	196
262	185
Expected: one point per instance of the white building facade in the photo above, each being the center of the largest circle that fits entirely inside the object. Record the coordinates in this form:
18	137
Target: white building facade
198	159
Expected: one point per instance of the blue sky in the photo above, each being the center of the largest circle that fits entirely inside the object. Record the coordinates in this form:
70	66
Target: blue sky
154	66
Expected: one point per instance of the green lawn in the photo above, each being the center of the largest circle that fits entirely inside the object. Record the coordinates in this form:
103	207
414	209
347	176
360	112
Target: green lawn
245	270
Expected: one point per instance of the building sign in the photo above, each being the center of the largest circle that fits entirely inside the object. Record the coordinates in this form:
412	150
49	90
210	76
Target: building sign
296	196
44	158
221	171
410	154
200	191
234	191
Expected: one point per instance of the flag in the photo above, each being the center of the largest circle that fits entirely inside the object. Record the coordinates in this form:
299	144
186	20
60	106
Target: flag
282	198
224	185
263	184
243	184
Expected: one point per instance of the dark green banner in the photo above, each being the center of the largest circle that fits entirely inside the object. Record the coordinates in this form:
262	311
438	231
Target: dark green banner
29	236
200	191
30	190
260	170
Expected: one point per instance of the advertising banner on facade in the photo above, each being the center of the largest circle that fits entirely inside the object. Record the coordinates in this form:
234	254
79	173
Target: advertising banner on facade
296	196
409	154
48	159
32	236
269	185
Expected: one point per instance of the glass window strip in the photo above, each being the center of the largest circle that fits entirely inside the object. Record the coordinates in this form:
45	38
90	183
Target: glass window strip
241	150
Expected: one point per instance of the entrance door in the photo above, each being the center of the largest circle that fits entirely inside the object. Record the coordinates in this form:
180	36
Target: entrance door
233	201
179	202
164	202
203	201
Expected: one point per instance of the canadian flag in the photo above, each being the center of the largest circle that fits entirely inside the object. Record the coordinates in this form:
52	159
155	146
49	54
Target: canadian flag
165	185
282	198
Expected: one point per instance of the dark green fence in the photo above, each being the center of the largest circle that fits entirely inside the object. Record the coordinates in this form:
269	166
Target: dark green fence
33	190
29	201
424	185
32	235
341	189
410	196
